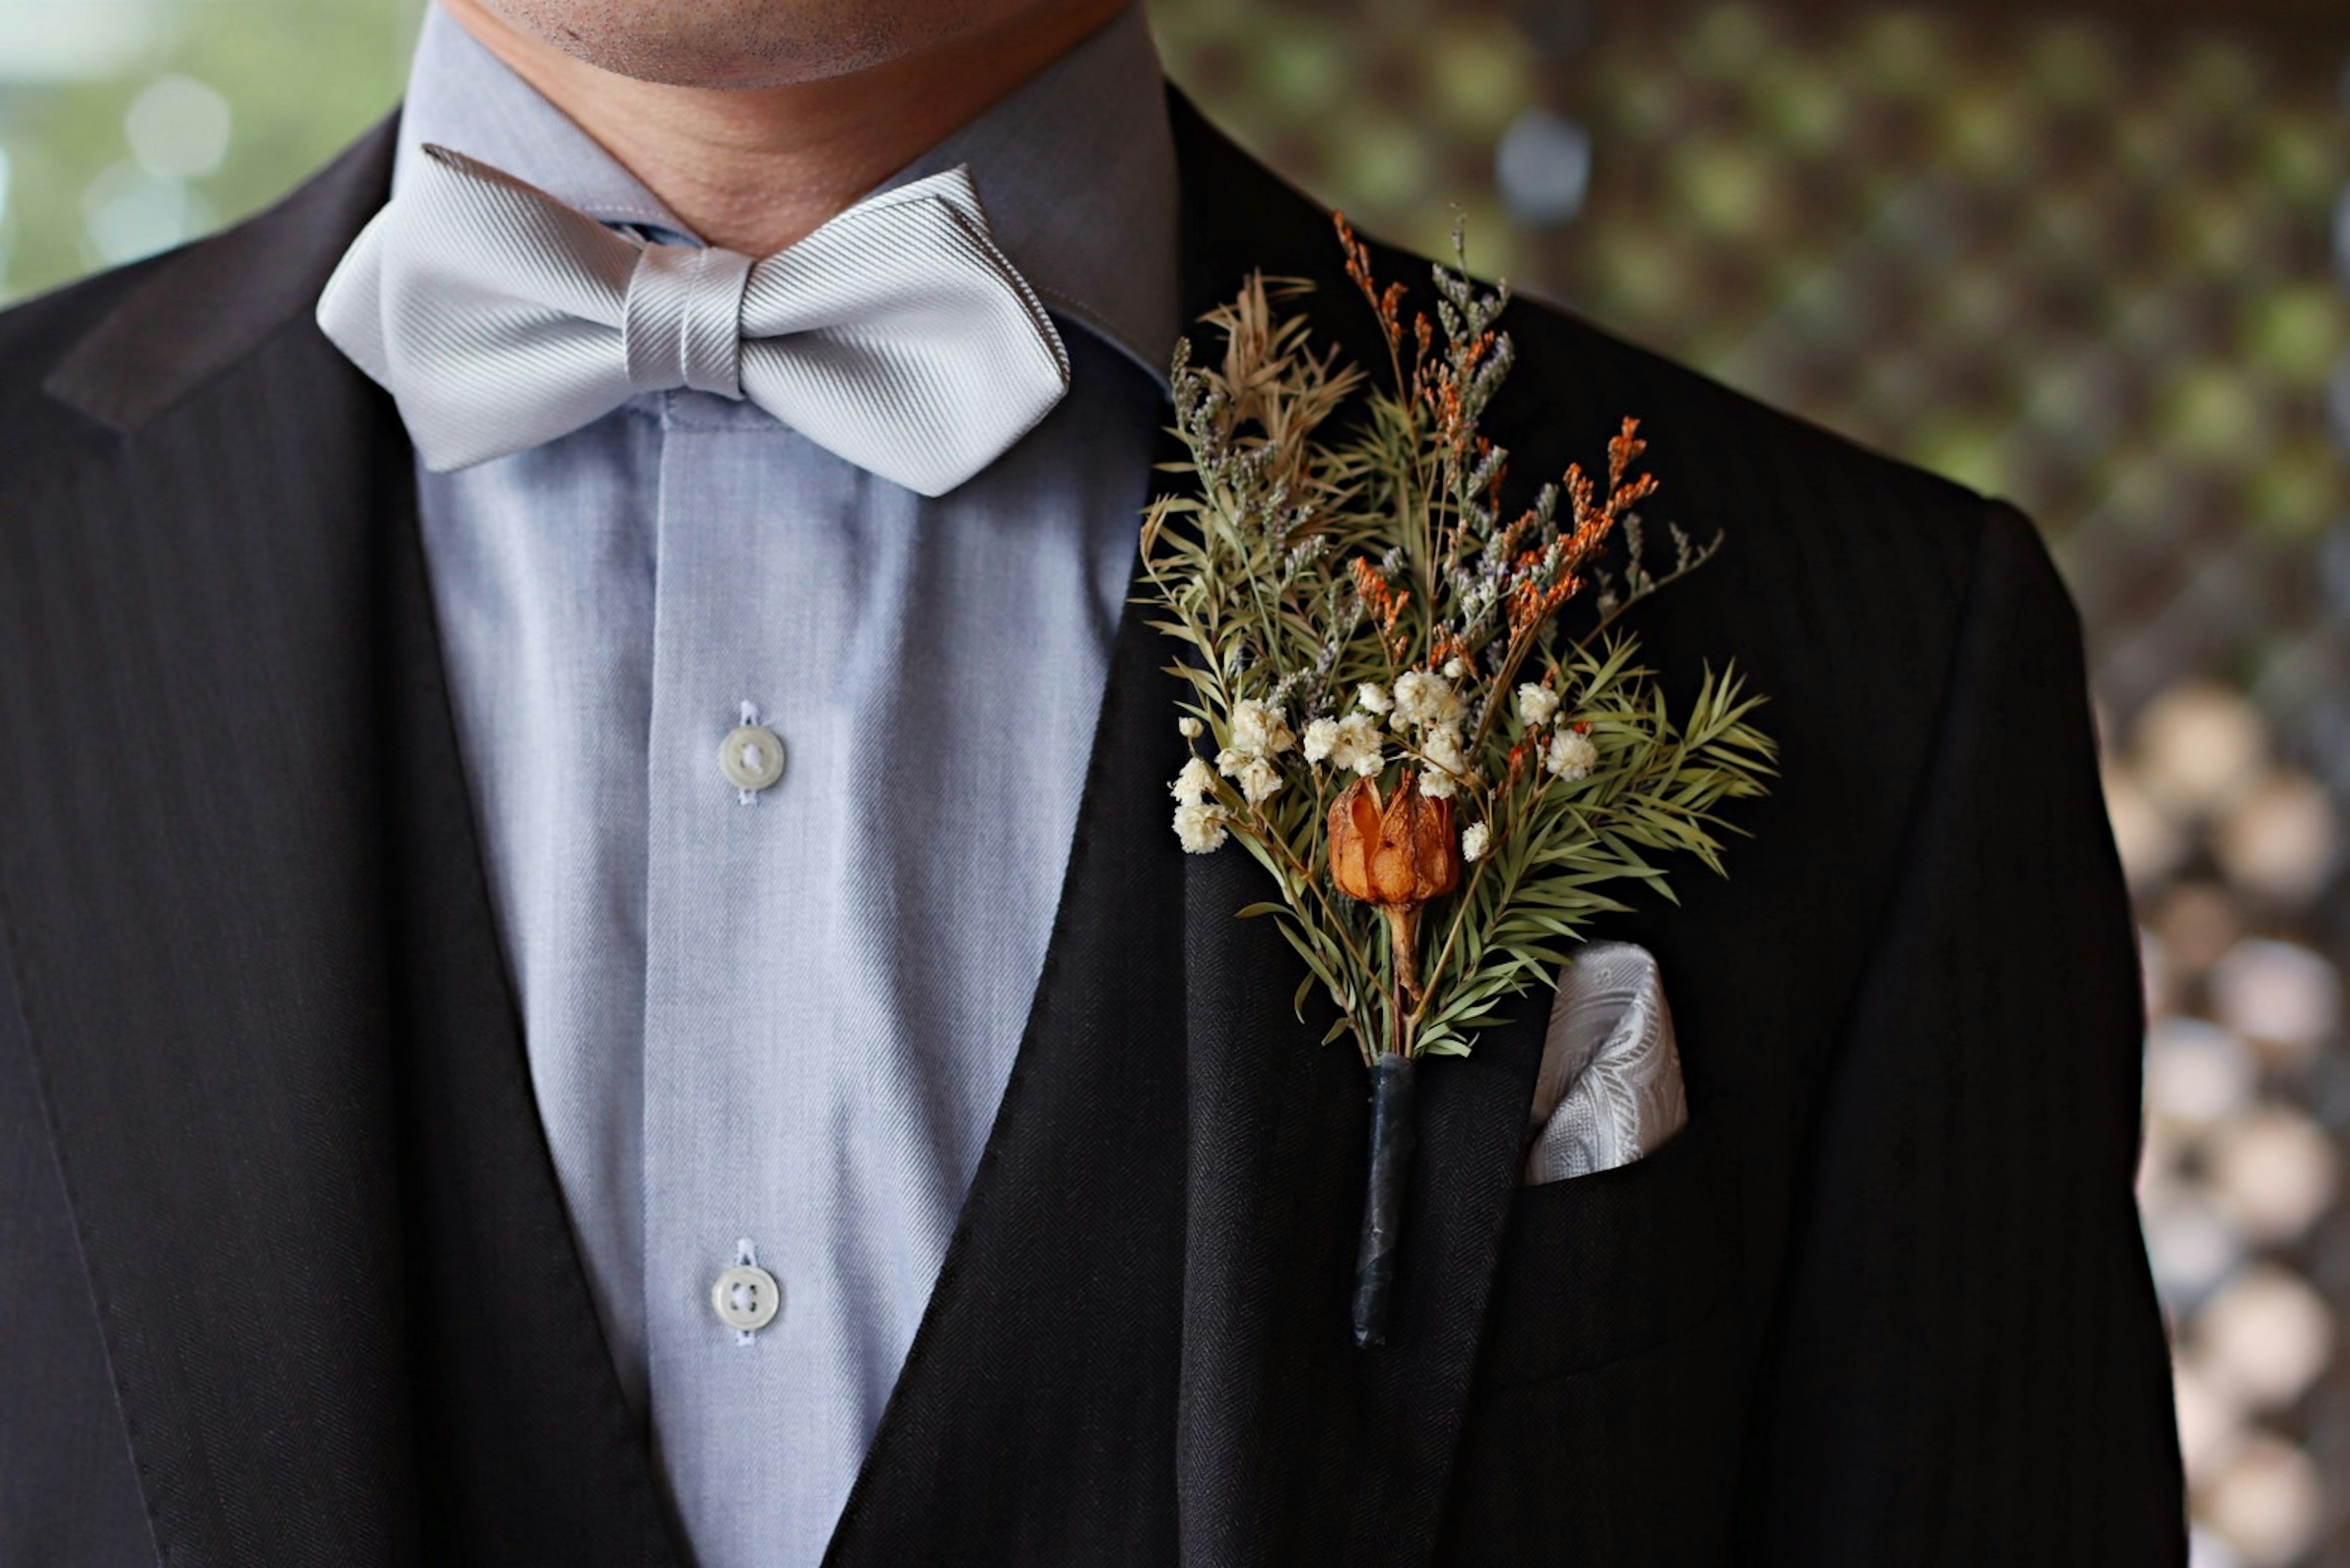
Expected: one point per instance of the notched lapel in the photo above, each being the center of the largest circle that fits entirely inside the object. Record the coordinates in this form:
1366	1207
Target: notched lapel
204	308
188	787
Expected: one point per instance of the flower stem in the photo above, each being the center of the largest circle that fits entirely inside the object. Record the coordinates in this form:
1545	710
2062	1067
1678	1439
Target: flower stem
1392	1094
1403	936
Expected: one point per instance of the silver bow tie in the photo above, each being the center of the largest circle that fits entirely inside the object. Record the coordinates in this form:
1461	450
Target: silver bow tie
897	336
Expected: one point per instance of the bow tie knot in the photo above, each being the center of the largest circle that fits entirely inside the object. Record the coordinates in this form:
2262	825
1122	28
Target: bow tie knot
682	321
897	336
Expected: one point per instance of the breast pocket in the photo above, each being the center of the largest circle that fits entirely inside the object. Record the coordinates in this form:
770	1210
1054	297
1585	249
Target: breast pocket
1607	1265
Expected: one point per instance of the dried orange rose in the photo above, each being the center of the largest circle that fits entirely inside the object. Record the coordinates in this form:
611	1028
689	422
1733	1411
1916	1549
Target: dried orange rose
1397	852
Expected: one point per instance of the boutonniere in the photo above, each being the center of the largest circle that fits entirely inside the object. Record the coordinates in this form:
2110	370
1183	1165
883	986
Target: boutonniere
1383	709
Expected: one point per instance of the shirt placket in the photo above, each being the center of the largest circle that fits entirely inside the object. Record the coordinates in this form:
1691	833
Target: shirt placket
742	1021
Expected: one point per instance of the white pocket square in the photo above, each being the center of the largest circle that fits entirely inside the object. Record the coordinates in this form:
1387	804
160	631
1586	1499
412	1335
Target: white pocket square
1609	1089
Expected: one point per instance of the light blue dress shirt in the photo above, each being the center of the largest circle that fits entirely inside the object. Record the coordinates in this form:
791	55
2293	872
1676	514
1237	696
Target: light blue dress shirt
778	1023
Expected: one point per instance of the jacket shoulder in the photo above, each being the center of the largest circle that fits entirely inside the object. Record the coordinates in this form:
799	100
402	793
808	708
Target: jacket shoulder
1844	580
1773	460
1825	542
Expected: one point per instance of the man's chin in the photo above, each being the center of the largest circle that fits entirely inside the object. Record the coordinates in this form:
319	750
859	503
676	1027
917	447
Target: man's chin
736	45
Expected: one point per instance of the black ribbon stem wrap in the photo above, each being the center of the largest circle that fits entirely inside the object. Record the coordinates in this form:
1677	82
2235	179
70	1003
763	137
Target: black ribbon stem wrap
1394	1087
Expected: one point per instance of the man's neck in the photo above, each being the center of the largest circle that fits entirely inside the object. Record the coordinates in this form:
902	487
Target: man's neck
756	169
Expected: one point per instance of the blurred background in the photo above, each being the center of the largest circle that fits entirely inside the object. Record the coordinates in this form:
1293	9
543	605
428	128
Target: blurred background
2095	258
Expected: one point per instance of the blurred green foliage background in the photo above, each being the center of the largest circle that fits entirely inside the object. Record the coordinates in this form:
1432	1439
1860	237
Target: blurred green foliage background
129	124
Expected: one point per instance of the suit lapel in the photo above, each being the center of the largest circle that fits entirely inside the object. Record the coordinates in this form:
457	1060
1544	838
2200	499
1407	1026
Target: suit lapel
246	921
1295	1446
192	932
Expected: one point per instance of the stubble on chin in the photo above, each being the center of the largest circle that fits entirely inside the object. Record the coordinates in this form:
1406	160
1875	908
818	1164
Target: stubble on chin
736	43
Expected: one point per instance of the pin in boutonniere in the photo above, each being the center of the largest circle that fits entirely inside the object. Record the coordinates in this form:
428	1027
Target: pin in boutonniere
1383	709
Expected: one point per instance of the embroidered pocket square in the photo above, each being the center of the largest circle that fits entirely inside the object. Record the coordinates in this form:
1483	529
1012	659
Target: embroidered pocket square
1609	1089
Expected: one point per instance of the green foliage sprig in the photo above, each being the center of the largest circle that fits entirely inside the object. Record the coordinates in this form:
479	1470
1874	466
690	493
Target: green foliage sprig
1383	711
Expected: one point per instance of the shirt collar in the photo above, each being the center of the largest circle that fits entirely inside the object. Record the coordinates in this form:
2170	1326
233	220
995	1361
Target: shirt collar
1075	169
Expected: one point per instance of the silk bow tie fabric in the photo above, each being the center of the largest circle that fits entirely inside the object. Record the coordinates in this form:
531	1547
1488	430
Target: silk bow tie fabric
896	336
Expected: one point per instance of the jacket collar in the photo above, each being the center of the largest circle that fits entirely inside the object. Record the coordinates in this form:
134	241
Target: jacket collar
204	308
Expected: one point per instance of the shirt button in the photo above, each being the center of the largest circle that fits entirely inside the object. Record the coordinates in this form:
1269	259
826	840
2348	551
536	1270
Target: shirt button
747	1298
752	757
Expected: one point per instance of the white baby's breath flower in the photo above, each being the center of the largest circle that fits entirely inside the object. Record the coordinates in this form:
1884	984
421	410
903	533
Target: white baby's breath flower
1356	744
1571	755
1189	727
1442	746
1194	784
1537	705
1424	698
1259	730
1260	781
1200	827
1372	698
1454	669
1321	737
1473	839
1436	783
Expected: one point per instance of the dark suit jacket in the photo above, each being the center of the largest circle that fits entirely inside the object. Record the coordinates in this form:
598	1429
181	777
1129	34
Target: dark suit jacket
284	1271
